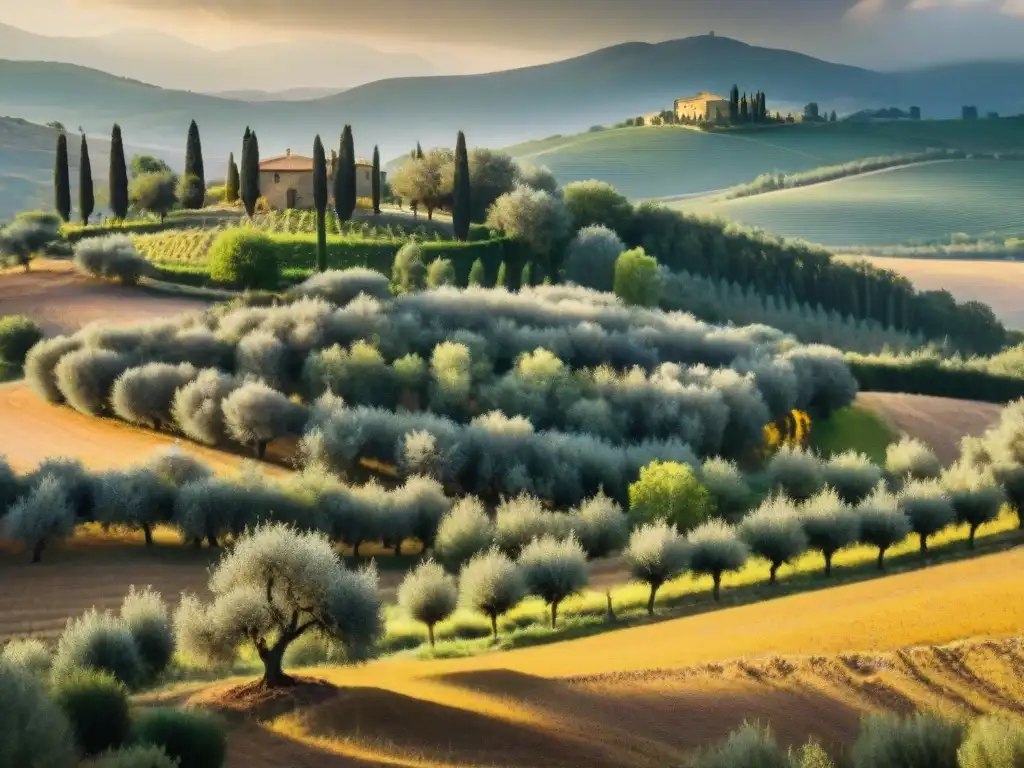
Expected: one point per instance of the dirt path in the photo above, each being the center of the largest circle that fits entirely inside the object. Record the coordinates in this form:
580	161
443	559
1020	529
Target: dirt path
62	301
940	422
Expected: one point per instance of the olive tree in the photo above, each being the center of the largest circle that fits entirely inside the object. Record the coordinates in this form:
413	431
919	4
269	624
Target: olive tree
86	376
144	614
601	526
41	516
829	524
656	554
881	522
1010	475
261	355
928	508
429	595
592	203
41	364
255	414
113	257
975	495
276	585
727	486
591	256
492	584
464	532
341	286
911	459
518	521
554	569
853	476
774	532
145	395
671	492
176	468
34	731
796	472
537	219
136	498
537	177
715	549
156	193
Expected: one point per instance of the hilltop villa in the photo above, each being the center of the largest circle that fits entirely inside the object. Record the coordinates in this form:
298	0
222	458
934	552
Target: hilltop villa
704	107
287	180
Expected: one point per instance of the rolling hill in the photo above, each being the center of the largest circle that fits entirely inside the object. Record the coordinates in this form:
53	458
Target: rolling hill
929	201
496	108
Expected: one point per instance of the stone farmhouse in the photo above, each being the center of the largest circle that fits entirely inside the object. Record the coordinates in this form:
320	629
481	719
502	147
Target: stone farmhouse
704	107
286	181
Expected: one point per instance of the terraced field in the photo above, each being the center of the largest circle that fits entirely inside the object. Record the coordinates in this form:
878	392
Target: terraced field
922	202
674	161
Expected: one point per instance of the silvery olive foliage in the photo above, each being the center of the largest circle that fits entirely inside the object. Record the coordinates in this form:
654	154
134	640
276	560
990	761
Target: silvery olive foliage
601	526
829	524
749	746
591	256
922	740
176	468
274	586
101	642
774	532
715	549
197	406
852	475
144	614
145	394
728	487
137	497
341	286
42	515
492	584
464	532
911	459
34	732
975	495
656	554
928	508
428	595
882	524
113	257
796	472
261	355
29	653
255	414
554	569
86	377
41	363
992	741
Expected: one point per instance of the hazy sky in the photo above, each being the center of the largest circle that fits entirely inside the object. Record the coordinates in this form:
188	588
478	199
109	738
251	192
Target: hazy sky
477	35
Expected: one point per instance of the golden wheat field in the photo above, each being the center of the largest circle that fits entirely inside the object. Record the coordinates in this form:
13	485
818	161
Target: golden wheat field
947	638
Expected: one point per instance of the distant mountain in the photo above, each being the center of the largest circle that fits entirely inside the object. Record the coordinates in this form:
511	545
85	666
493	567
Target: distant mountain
289	94
171	62
498	108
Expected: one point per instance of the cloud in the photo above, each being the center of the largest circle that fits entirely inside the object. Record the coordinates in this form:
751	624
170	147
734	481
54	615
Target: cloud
867	10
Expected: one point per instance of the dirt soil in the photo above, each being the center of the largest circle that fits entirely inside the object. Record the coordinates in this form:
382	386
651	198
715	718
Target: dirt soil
62	301
940	422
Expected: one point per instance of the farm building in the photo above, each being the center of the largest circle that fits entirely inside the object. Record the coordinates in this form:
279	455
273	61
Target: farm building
702	107
287	180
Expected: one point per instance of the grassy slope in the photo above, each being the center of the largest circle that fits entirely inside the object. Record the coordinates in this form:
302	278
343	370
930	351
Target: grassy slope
922	202
670	161
853	429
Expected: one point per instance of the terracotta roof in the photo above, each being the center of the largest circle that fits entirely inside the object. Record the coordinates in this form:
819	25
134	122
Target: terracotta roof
287	163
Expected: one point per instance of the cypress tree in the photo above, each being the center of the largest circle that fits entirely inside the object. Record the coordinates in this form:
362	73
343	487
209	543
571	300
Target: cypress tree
419	151
195	191
477	274
320	202
526	278
250	182
502	281
118	176
86	194
231	186
61	182
345	178
744	109
461	204
375	180
734	104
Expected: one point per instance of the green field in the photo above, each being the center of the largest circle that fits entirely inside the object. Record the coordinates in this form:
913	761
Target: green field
917	203
671	161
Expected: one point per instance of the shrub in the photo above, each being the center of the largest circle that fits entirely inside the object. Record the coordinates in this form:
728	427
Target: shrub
154	192
590	259
671	492
774	531
197	406
34	732
600	526
829	524
357	375
429	595
910	459
145	395
596	203
992	742
86	377
145	615
76	482
537	177
245	258
537	219
553	570
137	757
716	549
261	355
518	521
882	524
18	334
749	746
136	497
477	276
853	476
975	497
41	362
409	272
176	468
25	237
113	257
102	642
97	707
656	554
726	484
440	273
341	286
309	592
464	532
30	654
193	738
41	516
927	507
796	473
923	740
637	278
255	414
491	584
